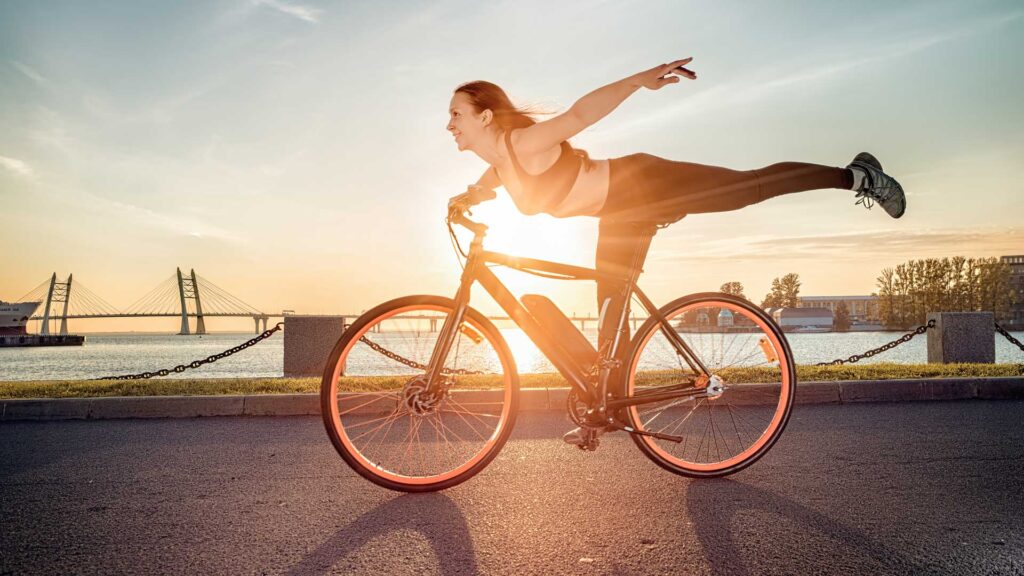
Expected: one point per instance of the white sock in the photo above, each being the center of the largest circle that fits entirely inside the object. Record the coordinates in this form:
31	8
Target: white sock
858	178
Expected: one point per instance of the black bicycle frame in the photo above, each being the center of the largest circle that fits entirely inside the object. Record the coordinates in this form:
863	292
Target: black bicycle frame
476	270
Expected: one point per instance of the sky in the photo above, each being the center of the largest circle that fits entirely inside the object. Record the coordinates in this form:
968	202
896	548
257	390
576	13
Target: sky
295	153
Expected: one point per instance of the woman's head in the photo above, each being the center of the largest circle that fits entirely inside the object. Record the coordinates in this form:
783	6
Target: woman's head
479	108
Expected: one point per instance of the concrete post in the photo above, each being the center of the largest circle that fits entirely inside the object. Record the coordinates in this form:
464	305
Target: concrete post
308	341
961	337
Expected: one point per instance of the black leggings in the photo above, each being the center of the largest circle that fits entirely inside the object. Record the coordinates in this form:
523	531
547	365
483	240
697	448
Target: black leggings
646	191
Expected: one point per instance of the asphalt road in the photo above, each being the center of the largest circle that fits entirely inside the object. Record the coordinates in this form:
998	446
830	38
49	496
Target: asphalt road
912	488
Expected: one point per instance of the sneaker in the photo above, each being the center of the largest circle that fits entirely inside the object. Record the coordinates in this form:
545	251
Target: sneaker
878	186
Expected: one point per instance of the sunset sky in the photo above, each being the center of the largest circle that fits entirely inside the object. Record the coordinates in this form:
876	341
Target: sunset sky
296	154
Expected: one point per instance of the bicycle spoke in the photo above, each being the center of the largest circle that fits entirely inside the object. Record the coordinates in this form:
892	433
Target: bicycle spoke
753	396
429	436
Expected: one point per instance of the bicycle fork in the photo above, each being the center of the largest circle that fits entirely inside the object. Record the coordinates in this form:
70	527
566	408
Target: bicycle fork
449	329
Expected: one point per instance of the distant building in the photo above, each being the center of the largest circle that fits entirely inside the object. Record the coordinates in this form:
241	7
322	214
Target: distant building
862	309
1016	264
808	319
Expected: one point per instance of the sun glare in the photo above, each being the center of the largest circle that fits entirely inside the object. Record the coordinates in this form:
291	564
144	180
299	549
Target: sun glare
567	241
528	357
570	240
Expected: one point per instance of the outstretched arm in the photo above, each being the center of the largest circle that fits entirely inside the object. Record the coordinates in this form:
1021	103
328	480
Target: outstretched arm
595	106
489	179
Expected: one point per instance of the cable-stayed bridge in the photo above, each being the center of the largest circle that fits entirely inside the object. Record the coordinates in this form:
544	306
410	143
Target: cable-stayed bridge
180	295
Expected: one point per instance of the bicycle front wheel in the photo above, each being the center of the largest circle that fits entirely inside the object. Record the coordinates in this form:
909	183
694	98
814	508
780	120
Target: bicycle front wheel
394	429
738	413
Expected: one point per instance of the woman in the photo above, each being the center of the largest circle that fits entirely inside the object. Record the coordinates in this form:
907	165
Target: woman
632	195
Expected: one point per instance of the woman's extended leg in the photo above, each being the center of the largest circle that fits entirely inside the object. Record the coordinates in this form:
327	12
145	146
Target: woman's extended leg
646	190
649	188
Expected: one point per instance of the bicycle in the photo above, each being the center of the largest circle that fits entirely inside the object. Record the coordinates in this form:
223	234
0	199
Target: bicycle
705	387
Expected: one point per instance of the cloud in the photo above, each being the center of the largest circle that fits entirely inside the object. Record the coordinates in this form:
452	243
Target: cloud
19	167
128	214
299	11
29	72
882	244
756	87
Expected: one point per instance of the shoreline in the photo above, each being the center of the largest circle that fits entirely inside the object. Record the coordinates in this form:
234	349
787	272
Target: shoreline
531	399
77	388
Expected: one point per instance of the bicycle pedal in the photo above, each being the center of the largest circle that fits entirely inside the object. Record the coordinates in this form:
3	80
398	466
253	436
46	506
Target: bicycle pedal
583	438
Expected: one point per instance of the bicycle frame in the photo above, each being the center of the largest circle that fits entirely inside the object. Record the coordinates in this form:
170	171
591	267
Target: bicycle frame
476	270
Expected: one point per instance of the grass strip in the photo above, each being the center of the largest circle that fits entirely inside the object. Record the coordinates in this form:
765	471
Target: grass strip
221	386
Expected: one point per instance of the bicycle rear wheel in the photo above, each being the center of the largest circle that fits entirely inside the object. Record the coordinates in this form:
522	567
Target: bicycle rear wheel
388	426
744	406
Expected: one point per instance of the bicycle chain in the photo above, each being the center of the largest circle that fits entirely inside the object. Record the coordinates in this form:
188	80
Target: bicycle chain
412	363
905	338
1008	336
197	363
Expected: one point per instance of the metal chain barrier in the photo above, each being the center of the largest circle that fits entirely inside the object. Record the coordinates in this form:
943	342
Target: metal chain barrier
412	363
197	363
462	371
1009	336
905	338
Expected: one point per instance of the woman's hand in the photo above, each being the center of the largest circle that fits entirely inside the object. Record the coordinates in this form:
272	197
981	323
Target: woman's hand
471	197
659	76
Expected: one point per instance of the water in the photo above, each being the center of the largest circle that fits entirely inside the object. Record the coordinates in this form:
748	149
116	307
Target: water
110	354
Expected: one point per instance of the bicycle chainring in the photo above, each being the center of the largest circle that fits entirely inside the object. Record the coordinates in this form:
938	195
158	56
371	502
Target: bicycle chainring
577	409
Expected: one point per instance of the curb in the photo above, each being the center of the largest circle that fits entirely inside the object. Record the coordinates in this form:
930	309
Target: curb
530	400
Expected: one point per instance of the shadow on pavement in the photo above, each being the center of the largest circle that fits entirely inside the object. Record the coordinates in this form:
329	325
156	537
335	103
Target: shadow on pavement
433	515
733	519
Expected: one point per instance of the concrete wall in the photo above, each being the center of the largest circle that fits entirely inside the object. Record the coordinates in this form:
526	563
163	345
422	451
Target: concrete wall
961	337
308	341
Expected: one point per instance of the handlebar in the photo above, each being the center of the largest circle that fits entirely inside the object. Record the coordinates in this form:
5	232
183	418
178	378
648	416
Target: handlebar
457	210
457	214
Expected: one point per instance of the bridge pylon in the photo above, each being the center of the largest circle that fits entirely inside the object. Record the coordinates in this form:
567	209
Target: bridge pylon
256	319
59	292
188	287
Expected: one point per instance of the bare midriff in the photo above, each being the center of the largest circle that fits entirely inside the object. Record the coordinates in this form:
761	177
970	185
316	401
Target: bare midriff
588	193
585	198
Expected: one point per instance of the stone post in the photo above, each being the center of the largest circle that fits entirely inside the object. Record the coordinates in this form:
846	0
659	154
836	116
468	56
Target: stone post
961	337
308	341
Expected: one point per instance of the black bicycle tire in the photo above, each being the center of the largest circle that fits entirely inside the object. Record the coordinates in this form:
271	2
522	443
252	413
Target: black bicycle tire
326	398
651	324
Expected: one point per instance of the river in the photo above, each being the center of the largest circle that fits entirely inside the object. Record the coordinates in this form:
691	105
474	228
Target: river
109	354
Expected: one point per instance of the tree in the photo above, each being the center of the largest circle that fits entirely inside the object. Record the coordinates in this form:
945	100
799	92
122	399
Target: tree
785	292
909	292
733	288
841	323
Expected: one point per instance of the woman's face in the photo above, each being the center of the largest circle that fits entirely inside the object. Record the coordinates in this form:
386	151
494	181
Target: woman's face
464	123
